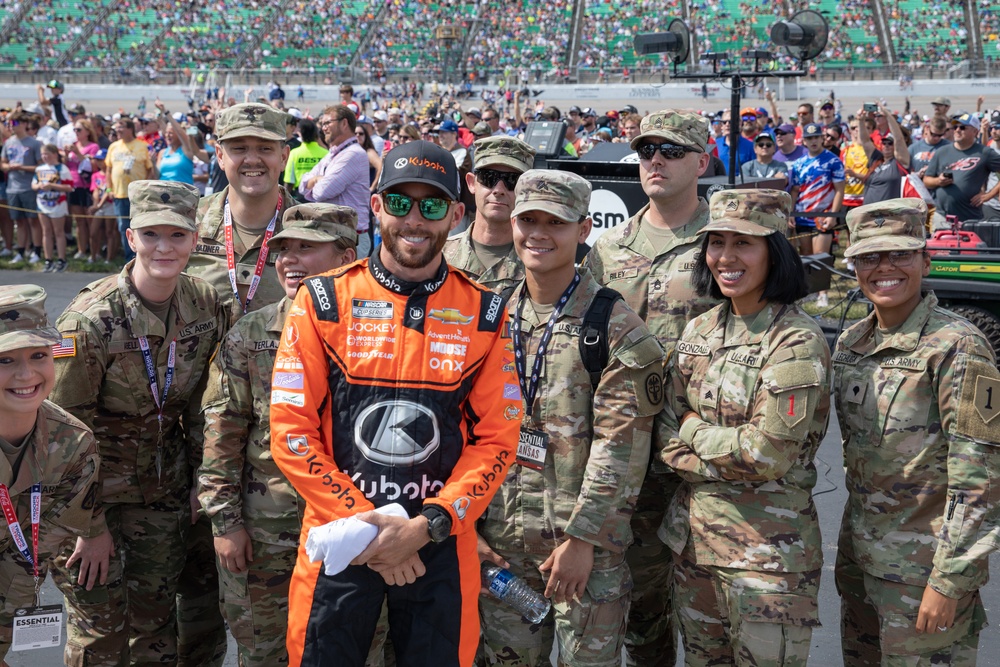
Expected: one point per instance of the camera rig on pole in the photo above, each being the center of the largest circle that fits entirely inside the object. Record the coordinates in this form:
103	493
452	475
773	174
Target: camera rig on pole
803	37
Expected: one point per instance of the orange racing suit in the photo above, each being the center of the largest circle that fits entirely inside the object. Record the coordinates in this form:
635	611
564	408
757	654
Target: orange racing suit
390	391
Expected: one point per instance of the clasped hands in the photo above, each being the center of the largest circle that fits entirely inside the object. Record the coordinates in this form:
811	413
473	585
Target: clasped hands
393	552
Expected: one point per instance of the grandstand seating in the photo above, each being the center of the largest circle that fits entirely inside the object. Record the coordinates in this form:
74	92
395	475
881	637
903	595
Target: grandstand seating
927	32
522	35
512	36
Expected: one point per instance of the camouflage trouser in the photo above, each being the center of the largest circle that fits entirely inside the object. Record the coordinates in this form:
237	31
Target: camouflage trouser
132	617
589	632
744	618
255	604
201	632
651	637
878	624
381	653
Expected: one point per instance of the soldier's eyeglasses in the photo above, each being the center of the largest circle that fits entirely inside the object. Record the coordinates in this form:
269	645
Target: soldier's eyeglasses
432	208
898	258
668	151
490	177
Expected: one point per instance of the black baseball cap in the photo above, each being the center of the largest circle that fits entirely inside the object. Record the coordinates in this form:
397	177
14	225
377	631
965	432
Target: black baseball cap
420	162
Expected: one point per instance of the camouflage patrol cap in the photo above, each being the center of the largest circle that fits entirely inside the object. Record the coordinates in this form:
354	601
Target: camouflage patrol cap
504	152
684	128
322	223
755	212
163	203
23	322
482	129
894	224
251	120
564	195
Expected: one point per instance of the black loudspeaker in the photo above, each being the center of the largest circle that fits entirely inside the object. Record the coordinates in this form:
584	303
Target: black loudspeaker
546	137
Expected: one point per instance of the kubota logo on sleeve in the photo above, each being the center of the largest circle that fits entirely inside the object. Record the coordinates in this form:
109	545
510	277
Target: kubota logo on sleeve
298	444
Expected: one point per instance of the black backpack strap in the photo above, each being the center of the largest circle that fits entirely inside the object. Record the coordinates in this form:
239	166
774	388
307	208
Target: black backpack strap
507	292
594	348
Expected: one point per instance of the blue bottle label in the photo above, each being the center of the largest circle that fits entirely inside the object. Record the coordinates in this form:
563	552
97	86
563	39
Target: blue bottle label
500	583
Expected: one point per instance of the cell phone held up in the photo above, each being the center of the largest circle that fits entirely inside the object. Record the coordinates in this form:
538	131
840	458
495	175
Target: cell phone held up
870	108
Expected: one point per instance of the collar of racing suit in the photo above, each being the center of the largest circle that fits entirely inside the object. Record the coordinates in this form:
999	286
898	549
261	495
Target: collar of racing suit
406	287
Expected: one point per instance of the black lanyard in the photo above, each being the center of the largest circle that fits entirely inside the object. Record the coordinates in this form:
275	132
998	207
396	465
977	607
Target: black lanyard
529	386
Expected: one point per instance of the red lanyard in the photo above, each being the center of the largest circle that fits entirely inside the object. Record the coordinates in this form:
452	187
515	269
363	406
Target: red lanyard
15	528
261	257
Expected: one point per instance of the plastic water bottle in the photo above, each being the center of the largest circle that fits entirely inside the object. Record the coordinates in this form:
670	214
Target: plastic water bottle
510	589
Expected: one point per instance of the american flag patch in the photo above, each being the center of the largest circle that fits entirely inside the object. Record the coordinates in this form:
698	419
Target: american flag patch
64	348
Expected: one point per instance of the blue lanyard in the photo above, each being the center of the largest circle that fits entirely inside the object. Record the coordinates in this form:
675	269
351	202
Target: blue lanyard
529	386
168	379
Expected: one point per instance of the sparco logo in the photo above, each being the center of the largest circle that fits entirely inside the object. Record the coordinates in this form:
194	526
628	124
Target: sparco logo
321	295
494	310
397	433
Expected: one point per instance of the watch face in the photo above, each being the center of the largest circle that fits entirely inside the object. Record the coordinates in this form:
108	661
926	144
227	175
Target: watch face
438	529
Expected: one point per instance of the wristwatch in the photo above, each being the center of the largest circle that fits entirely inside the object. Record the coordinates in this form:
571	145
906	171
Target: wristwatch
438	523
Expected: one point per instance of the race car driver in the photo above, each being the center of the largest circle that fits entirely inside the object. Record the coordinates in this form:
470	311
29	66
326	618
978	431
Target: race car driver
407	395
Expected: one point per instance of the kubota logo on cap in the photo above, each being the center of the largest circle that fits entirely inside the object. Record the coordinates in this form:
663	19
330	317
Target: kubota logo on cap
400	163
424	162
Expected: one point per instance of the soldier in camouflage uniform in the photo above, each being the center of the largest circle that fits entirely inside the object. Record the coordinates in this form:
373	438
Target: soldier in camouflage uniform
916	390
253	509
41	444
136	352
561	519
253	153
485	251
747	409
649	261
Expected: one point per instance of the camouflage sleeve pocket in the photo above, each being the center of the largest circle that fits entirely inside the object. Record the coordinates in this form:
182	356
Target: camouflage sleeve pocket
792	392
644	360
979	403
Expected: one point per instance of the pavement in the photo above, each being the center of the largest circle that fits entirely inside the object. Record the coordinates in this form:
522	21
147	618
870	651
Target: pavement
829	494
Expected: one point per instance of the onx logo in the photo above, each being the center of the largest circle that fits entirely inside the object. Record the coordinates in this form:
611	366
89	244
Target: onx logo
397	433
608	210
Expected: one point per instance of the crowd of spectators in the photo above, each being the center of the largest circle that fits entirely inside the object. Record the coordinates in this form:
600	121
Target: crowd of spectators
610	27
310	35
526	40
927	32
848	156
526	37
405	37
